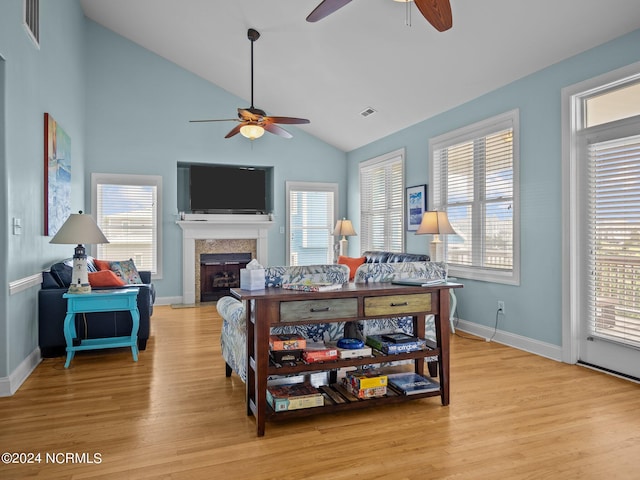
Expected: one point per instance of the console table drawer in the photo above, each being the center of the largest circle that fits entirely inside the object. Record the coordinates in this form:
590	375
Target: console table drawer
397	304
318	309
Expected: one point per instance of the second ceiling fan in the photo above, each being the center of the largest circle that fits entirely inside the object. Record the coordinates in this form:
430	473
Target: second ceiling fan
252	121
437	12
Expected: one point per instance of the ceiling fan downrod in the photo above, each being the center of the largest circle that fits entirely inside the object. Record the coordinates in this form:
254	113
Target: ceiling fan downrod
253	35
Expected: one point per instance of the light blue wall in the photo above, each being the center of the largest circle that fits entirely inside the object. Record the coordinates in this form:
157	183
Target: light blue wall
138	111
534	307
126	110
49	79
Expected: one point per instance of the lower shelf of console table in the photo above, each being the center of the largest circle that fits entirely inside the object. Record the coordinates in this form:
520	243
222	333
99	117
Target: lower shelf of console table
370	301
329	407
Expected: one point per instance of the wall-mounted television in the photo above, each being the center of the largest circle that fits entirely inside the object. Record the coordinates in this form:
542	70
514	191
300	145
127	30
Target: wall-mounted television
228	189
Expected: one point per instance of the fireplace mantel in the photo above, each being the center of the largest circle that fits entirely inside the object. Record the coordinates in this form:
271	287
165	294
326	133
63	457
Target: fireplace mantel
219	227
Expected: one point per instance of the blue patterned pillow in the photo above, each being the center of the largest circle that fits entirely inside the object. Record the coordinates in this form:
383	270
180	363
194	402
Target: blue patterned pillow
127	271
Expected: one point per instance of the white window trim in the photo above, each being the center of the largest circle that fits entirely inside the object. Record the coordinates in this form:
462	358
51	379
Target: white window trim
307	187
383	159
132	179
572	122
469	132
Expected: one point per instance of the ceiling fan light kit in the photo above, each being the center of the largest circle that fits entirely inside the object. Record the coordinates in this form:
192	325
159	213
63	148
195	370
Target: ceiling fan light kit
253	121
251	131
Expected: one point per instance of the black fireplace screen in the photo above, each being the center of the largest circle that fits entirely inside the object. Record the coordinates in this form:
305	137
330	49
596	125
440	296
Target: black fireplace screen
219	272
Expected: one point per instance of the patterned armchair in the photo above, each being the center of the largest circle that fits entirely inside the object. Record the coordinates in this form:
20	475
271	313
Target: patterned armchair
234	331
233	337
387	272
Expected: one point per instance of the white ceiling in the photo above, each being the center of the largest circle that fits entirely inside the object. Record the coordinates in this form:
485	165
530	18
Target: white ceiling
362	55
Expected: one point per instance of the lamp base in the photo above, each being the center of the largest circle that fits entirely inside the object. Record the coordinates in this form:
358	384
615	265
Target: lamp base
344	243
436	250
79	288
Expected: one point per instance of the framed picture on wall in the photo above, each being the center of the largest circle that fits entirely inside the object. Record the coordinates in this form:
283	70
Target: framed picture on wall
57	176
416	205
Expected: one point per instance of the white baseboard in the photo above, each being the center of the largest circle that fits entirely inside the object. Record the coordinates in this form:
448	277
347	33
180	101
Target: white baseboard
168	300
9	385
548	350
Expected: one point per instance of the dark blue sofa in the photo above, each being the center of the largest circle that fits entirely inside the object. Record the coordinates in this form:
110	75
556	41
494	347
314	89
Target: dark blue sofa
52	309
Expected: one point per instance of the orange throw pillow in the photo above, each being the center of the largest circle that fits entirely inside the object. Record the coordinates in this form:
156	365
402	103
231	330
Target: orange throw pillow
104	278
352	263
102	264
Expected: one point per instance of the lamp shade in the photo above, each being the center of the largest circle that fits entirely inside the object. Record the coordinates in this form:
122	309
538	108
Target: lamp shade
435	223
344	227
79	228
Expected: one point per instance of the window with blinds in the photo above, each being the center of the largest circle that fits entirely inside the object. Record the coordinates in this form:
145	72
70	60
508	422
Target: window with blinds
614	239
127	210
382	203
474	173
311	216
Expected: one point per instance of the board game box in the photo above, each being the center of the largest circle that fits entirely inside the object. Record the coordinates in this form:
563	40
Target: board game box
287	341
359	379
312	356
412	383
294	396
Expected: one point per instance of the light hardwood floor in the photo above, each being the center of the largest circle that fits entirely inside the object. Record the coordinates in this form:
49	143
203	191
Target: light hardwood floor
174	415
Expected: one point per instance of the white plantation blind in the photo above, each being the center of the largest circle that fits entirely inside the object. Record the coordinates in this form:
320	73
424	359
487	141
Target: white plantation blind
382	203
311	220
614	240
128	212
475	183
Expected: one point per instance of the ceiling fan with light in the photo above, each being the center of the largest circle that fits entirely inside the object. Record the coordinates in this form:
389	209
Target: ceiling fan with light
252	121
437	12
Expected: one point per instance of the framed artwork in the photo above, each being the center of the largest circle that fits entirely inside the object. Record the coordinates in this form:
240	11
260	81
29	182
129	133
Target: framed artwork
416	204
57	176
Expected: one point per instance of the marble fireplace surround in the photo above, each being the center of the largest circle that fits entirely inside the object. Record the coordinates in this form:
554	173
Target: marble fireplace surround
219	232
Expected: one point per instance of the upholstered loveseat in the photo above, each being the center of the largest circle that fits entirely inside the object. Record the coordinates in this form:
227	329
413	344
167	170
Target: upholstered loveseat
232	311
52	308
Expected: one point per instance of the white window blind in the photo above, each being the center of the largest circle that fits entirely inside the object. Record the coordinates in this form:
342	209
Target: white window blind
312	209
474	181
382	203
614	240
127	211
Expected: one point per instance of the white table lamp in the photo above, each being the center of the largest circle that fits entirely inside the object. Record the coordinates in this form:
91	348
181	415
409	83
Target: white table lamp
436	224
344	228
79	229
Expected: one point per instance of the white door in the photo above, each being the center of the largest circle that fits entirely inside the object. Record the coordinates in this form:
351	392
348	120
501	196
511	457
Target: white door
609	246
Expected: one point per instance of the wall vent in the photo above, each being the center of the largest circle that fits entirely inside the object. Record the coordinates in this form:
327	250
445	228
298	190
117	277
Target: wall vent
367	111
32	20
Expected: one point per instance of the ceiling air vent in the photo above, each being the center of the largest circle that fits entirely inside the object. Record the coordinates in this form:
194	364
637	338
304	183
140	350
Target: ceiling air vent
32	20
367	112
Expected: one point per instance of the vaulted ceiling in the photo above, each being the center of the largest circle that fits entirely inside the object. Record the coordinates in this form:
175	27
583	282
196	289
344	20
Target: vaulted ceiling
364	55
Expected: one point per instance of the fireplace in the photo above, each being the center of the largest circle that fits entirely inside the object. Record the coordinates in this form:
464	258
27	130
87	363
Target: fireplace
219	234
220	272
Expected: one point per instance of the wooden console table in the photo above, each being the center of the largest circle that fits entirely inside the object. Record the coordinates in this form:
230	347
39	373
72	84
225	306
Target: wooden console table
271	307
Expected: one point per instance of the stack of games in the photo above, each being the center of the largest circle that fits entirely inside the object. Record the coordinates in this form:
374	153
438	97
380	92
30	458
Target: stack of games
352	348
411	383
369	384
294	396
392	343
319	352
286	347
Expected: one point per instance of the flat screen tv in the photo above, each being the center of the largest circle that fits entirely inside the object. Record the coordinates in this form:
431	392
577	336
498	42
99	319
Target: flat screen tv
227	189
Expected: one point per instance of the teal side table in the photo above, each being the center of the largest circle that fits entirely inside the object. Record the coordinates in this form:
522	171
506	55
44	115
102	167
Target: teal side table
101	301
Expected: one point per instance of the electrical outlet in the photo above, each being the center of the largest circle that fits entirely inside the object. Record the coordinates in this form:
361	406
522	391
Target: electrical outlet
501	307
